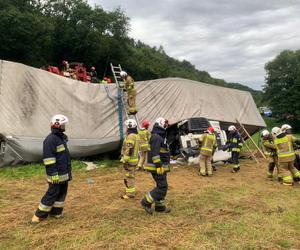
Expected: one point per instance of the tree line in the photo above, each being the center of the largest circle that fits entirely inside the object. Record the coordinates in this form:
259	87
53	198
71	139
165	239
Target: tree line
282	88
45	32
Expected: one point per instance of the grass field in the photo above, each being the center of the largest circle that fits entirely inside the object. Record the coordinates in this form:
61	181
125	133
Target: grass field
227	211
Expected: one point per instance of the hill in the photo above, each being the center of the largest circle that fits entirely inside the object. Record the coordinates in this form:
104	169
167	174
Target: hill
47	32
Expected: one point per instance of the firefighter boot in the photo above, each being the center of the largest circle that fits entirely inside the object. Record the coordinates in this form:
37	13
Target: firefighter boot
35	220
160	206
146	206
163	209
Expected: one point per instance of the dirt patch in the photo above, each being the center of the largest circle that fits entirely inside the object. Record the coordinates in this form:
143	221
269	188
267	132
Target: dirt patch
225	211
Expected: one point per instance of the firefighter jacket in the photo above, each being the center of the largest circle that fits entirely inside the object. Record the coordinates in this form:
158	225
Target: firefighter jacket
269	147
159	154
129	84
284	147
234	142
144	135
56	156
130	147
208	144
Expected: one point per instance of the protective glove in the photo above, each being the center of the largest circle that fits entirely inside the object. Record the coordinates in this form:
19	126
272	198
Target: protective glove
126	158
55	179
160	170
122	160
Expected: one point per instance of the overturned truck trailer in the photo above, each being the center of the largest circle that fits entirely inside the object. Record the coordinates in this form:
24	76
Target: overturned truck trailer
30	96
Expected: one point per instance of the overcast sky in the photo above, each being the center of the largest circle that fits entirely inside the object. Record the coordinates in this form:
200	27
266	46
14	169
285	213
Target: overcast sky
232	39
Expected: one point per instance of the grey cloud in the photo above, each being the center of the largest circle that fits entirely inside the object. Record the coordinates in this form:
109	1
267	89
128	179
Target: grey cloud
231	40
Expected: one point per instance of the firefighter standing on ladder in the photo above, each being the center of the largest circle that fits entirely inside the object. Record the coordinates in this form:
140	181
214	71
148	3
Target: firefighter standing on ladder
131	92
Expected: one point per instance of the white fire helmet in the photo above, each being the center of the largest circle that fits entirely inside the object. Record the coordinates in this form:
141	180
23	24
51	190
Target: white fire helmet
162	122
265	133
276	131
231	128
123	73
58	120
130	123
285	127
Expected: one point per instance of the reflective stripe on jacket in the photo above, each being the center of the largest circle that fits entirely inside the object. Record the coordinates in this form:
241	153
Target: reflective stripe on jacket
56	156
144	135
209	143
130	149
159	154
284	148
235	142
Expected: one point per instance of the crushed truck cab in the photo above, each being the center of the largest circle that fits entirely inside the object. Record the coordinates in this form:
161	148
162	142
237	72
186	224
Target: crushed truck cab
183	139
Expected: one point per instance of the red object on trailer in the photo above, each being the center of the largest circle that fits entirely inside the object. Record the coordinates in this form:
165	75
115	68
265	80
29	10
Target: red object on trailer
54	70
77	71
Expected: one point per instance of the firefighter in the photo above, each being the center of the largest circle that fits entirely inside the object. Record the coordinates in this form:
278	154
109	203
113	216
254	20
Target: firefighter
208	145
130	157
57	161
270	152
234	145
93	75
144	136
158	164
286	128
286	156
131	92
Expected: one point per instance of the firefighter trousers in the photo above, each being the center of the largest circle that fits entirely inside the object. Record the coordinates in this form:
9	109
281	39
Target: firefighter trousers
205	165
158	194
53	201
288	172
273	163
143	158
132	101
129	179
235	160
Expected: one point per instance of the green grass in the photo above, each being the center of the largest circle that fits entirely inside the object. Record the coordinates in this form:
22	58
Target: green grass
31	170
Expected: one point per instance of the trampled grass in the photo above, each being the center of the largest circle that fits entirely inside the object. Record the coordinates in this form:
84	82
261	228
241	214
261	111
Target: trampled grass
227	211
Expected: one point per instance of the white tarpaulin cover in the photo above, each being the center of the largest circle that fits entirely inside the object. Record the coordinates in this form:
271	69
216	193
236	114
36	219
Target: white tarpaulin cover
29	97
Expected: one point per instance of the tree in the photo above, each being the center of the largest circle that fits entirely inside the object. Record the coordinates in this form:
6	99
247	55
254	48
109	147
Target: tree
282	89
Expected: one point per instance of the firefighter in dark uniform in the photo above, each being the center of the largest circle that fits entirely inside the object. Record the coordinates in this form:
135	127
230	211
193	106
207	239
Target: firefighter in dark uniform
234	145
158	163
57	161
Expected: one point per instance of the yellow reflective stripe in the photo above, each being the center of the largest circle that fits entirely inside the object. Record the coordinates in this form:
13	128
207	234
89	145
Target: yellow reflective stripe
62	178
151	168
280	140
60	148
133	159
149	198
144	145
130	190
207	149
286	154
236	150
49	161
234	140
287	178
58	204
44	208
156	160
163	150
126	158
297	174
